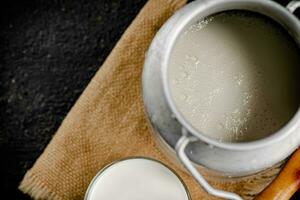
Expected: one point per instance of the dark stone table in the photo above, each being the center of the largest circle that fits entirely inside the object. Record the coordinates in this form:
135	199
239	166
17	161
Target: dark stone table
49	51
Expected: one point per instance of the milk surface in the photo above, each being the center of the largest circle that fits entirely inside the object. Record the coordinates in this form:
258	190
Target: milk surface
234	76
137	179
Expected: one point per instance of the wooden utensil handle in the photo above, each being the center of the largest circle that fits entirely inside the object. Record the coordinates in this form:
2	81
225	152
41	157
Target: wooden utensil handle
287	182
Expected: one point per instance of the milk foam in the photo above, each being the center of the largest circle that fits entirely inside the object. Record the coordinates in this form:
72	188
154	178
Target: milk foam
233	76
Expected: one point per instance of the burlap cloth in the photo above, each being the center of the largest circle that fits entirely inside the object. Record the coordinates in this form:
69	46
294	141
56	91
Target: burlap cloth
108	123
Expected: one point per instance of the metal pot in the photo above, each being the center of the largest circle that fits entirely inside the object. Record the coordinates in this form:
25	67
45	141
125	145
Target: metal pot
177	136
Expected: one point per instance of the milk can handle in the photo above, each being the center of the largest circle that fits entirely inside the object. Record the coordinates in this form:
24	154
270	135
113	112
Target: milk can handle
180	150
293	5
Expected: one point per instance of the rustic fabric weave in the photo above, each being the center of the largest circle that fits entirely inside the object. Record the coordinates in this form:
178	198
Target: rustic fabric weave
108	123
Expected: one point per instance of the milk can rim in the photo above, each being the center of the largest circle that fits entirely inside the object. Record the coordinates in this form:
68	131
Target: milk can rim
184	18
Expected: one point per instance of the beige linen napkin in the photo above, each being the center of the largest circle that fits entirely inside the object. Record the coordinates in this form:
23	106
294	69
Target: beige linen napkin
108	123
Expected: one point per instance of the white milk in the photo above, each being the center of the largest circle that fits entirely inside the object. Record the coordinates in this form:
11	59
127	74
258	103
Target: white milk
137	179
233	76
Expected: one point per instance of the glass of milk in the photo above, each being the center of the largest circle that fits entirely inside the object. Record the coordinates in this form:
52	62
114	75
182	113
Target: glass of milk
137	178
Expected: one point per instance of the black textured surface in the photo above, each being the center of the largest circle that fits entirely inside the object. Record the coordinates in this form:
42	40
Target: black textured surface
49	52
